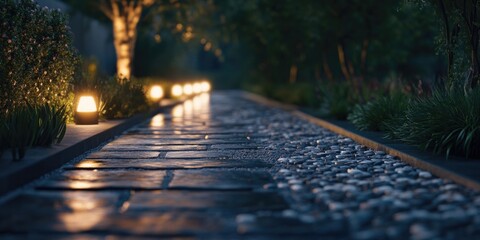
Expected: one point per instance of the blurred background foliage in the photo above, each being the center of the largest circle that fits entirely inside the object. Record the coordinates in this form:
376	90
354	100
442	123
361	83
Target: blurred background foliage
262	45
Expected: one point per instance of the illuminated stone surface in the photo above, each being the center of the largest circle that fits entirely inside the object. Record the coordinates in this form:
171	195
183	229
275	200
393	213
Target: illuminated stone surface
168	163
208	200
160	142
123	154
117	179
236	146
132	147
198	154
57	211
220	179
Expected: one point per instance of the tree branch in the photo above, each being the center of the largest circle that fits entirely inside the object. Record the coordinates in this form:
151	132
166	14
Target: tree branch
105	9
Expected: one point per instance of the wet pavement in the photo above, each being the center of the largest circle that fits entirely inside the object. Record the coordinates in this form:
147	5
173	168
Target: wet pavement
187	173
223	167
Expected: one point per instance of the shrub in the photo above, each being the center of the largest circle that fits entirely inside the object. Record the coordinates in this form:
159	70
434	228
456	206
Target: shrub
376	114
122	100
338	100
301	94
447	122
37	59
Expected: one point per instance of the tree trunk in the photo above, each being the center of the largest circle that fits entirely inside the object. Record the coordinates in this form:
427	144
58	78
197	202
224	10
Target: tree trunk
293	73
125	15
123	48
343	63
326	68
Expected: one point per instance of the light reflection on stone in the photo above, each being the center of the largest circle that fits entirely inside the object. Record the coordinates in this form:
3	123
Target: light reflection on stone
80	185
88	164
192	111
86	212
81	220
188	108
177	111
158	121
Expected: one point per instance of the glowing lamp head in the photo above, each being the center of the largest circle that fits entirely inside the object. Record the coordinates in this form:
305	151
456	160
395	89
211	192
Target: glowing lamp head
177	90
156	92
86	112
188	89
206	87
86	104
197	88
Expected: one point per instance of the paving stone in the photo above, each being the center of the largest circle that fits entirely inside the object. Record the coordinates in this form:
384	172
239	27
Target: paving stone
156	142
193	131
287	225
57	236
198	154
235	146
116	179
56	211
123	154
75	215
165	137
172	223
211	179
208	200
140	147
197	136
168	163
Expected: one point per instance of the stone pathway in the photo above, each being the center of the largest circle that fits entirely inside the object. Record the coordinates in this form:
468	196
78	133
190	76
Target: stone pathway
224	167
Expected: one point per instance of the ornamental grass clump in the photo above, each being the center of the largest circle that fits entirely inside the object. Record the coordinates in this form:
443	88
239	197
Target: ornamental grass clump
376	114
447	122
32	126
20	129
52	125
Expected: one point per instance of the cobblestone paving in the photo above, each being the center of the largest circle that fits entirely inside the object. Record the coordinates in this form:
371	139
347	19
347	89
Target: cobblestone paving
224	167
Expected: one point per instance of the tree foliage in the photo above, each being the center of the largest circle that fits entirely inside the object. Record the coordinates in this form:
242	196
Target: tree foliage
459	39
355	40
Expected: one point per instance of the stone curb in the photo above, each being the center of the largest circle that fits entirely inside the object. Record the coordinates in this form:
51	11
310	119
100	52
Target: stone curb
43	160
459	170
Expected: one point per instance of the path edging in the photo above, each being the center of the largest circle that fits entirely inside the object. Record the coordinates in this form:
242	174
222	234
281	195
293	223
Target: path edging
456	169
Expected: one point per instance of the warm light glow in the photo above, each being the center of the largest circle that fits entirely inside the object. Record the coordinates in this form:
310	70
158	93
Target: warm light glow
188	108
86	104
206	87
156	92
157	121
177	90
88	164
188	89
177	111
197	88
84	219
81	184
